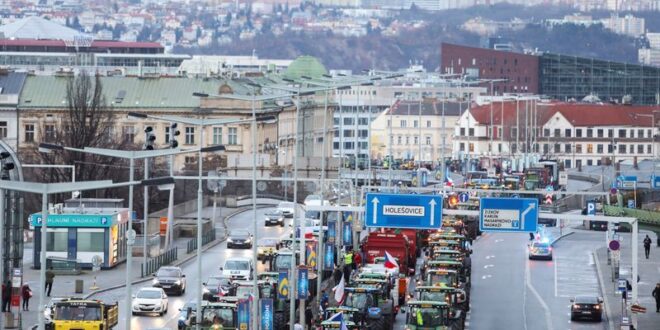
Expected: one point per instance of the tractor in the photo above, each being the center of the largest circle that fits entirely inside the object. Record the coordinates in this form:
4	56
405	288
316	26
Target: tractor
433	315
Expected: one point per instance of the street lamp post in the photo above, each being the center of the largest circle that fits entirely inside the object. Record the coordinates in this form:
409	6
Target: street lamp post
45	189
201	123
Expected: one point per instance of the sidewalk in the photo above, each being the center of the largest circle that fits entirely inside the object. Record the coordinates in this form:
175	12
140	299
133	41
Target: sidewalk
649	273
64	285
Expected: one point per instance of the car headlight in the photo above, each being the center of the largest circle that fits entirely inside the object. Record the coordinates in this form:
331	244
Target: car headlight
155	281
205	290
249	240
230	240
177	282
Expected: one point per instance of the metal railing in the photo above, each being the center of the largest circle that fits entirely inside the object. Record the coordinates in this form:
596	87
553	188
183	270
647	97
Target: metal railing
153	264
206	239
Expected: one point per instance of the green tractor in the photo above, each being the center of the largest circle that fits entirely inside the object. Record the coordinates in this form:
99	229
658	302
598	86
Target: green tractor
214	315
376	311
464	272
349	313
433	315
280	306
448	277
455	297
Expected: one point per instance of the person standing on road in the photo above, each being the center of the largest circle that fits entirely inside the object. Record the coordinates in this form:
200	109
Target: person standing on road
656	295
26	294
647	246
6	297
49	280
357	259
348	265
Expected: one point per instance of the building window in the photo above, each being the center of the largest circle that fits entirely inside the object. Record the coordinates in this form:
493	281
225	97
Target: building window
640	149
428	124
29	133
363	121
415	123
557	132
622	148
499	147
545	148
217	135
348	133
128	132
49	132
600	133
590	132
167	134
567	147
514	148
632	148
404	123
578	148
363	133
632	133
57	240
590	162
3	129
649	149
348	145
578	132
190	160
567	132
557	148
471	147
648	133
190	135
232	135
599	148
514	132
461	146
89	240
407	140
590	148
416	140
348	121
499	131
471	131
640	133
622	133
335	121
399	139
336	133
610	148
546	132
335	145
610	133
389	122
462	131
428	140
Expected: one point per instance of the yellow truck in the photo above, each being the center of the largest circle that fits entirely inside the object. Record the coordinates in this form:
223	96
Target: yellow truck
81	314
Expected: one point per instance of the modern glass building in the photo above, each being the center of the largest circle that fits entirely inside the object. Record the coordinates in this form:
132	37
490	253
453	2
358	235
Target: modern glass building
567	77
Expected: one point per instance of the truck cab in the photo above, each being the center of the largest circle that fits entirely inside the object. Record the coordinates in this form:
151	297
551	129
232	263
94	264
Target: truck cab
74	314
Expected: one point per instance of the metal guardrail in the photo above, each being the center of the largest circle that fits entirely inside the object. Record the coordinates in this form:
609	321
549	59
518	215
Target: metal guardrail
206	239
153	264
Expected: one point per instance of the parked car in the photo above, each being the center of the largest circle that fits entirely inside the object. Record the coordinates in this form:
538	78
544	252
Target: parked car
587	307
239	238
170	279
275	217
150	301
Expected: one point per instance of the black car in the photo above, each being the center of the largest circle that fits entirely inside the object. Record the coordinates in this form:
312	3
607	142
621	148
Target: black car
239	238
189	307
216	287
275	217
171	279
587	307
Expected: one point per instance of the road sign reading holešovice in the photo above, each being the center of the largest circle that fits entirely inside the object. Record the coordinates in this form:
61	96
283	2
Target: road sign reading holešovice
508	214
403	211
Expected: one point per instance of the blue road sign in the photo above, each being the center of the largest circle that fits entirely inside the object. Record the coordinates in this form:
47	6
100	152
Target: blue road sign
626	181
403	211
655	181
463	197
631	203
591	208
508	214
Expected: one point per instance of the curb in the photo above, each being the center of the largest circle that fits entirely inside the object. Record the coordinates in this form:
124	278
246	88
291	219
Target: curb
560	237
603	292
178	262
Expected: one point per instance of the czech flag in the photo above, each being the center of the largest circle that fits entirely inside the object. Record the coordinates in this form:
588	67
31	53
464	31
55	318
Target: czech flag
448	181
339	291
339	317
390	262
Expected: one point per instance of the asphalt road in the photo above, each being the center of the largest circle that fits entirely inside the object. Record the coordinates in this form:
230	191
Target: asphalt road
511	292
212	259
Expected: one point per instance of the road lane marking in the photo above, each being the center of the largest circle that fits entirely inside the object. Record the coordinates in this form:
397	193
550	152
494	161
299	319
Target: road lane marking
486	276
555	264
488	266
546	309
490	257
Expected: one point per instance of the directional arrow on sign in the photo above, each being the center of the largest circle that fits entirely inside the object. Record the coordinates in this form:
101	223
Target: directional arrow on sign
375	202
524	215
432	203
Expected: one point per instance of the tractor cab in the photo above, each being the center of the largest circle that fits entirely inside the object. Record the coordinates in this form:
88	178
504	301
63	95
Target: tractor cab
218	314
432	315
453	296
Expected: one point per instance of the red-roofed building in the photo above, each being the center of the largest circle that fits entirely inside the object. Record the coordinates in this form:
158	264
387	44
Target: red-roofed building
575	133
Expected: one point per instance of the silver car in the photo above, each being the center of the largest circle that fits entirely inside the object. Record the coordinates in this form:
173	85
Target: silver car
539	250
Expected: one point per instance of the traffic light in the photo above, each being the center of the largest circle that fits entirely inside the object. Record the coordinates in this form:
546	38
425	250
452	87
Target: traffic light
149	138
173	134
453	201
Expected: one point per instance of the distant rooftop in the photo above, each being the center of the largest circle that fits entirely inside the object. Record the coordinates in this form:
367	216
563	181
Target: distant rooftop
39	28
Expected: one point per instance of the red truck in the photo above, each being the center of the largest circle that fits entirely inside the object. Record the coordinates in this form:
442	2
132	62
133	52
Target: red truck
414	237
397	244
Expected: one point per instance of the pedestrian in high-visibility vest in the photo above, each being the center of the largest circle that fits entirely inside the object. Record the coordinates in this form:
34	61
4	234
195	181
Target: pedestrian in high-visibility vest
348	265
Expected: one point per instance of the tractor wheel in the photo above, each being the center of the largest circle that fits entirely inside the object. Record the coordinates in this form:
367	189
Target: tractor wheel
280	321
378	324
